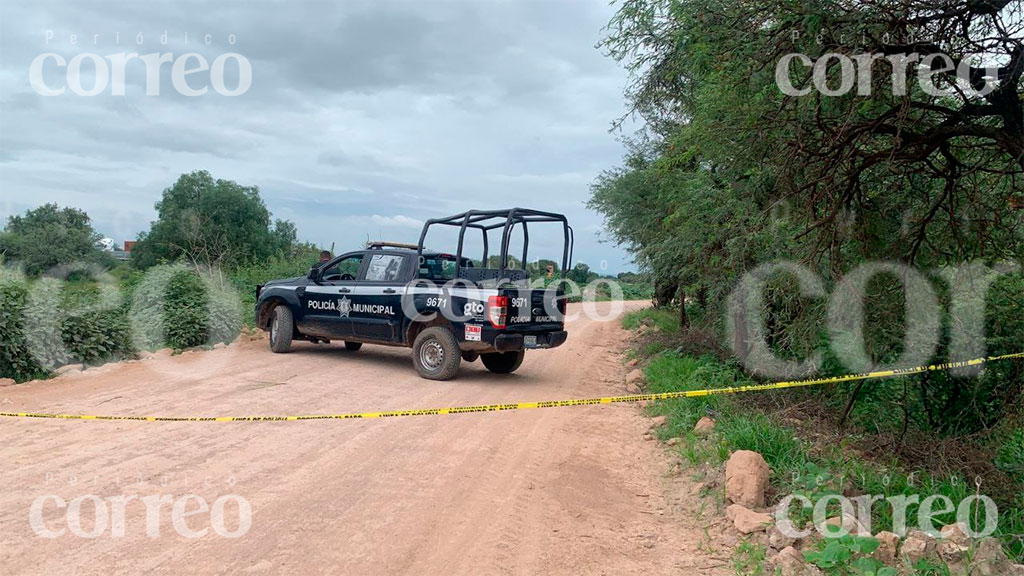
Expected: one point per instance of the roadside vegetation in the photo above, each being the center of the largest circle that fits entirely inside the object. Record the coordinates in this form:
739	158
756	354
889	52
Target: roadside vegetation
190	281
809	453
729	173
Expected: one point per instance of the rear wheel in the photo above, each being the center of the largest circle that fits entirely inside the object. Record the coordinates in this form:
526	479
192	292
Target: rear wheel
353	346
436	354
503	362
281	327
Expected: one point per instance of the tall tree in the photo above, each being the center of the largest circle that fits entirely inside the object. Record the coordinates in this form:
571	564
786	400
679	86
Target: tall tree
49	236
211	221
944	171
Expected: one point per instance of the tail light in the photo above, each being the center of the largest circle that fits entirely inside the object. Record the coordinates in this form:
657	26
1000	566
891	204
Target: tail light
497	311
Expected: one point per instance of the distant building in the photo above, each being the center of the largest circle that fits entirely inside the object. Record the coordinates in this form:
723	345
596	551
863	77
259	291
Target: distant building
125	254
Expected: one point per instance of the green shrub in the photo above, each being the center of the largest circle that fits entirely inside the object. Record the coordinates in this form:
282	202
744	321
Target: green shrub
15	360
179	307
48	323
186	311
1010	455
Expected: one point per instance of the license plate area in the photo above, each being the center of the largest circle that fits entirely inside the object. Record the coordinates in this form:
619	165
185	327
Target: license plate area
530	341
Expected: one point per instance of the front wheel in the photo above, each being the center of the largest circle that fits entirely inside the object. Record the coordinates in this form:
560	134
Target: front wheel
281	327
436	354
503	362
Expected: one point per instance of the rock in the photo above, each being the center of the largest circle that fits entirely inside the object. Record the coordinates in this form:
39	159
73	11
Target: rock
888	548
988	559
648	436
635	377
69	368
917	545
956	533
657	422
219	345
633	362
789	562
746	478
672	441
848	524
778	540
747	521
1017	570
954	543
704	426
7	382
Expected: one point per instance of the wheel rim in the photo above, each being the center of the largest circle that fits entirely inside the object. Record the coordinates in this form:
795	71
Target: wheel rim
432	354
273	330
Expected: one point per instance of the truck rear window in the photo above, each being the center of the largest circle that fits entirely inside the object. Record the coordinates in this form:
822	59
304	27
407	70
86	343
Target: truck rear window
440	267
437	268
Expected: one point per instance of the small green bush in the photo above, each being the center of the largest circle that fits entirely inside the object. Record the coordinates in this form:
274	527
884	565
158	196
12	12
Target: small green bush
15	360
47	323
179	307
185	311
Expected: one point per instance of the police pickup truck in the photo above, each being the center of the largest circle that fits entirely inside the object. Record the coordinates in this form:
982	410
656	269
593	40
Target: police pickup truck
446	307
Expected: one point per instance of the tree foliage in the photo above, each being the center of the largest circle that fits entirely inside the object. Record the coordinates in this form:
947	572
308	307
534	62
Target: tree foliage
210	221
730	172
914	177
49	236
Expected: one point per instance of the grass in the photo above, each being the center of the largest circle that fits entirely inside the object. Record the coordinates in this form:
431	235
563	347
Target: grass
813	467
664	319
749	558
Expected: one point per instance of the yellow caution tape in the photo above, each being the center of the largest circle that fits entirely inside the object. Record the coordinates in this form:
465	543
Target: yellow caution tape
527	405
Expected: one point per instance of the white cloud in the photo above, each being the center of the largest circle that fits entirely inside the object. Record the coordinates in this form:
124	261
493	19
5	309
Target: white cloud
397	221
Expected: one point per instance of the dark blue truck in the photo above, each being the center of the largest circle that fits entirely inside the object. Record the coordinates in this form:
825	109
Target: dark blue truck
446	307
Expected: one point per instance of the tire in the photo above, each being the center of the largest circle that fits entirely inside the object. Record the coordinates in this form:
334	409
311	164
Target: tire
353	346
436	354
503	362
281	327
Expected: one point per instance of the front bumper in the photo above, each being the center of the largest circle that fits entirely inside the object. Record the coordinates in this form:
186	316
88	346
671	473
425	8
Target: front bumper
514	342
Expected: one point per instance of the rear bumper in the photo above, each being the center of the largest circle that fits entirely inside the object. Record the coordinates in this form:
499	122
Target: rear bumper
514	342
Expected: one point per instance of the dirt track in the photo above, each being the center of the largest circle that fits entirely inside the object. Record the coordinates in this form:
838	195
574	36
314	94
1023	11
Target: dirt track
552	491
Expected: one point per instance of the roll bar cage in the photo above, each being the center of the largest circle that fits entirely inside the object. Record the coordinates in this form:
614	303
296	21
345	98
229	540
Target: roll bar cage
506	220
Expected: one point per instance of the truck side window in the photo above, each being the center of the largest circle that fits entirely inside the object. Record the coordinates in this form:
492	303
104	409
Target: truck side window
384	268
345	269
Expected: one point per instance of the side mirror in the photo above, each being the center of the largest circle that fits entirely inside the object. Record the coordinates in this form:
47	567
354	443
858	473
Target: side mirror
314	273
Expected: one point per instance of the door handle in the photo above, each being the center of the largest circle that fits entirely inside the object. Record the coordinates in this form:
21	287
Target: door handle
344	290
389	290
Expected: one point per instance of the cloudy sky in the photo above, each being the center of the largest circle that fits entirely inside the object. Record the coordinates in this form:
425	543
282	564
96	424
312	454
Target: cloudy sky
362	119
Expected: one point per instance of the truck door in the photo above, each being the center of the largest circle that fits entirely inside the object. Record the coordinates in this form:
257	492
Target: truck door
377	299
327	304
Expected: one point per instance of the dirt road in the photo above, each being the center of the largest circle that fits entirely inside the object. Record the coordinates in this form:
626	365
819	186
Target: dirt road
554	491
